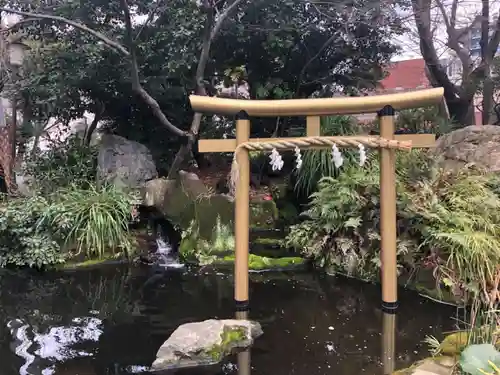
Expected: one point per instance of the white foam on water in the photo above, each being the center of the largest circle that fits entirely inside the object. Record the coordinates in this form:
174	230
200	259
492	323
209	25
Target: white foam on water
136	369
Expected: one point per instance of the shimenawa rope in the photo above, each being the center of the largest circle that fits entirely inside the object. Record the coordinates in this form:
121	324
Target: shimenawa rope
309	142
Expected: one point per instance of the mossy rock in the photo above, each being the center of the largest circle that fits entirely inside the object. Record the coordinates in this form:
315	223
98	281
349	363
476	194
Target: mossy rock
454	344
267	241
263	214
405	371
259	263
431	365
408	370
188	199
269	247
230	336
195	249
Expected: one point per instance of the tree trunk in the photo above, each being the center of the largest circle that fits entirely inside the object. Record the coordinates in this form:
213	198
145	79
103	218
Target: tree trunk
93	125
462	111
212	28
185	148
487	106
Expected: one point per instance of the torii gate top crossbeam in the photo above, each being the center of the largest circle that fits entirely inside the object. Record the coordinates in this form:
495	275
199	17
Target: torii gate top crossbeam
317	107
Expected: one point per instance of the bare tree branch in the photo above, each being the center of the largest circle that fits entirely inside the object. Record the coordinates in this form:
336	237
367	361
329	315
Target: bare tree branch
453	41
486	59
211	32
131	45
453	18
136	84
220	20
205	52
311	60
151	14
421	11
495	40
107	41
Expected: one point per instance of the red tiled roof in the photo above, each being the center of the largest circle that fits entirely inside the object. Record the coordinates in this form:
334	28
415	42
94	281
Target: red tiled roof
405	75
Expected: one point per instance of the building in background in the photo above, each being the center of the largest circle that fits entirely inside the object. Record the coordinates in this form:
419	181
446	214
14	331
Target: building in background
408	75
403	76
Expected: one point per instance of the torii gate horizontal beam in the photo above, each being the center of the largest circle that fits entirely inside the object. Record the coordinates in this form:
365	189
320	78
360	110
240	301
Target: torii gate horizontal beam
229	145
319	106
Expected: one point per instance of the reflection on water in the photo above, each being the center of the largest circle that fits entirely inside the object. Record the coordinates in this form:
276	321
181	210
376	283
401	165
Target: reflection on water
113	320
55	345
388	342
244	364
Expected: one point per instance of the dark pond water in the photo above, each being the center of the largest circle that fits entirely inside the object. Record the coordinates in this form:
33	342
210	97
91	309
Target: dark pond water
112	320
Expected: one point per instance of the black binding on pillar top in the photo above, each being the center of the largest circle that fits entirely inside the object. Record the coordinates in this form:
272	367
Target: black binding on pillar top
242	305
388	110
242	115
389	307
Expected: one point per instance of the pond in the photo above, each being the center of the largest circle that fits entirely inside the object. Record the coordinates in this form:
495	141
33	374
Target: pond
113	319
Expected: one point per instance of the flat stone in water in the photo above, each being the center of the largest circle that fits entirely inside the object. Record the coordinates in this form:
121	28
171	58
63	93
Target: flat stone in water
205	343
431	367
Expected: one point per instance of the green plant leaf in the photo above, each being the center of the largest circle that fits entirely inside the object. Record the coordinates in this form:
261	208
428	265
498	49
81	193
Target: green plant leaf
475	358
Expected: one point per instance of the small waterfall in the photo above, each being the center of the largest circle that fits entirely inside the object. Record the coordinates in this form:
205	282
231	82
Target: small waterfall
167	258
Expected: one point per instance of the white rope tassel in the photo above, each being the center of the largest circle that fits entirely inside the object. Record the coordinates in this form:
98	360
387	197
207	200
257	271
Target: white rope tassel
362	155
337	158
298	158
276	160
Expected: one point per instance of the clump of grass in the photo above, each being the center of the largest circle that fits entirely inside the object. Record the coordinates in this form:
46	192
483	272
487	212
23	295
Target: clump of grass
318	163
94	220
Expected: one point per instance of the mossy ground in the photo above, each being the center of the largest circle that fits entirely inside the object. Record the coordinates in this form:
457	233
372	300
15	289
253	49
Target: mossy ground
73	264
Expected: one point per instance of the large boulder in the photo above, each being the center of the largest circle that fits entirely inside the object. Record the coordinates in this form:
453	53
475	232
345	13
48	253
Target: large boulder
205	343
479	145
124	163
187	199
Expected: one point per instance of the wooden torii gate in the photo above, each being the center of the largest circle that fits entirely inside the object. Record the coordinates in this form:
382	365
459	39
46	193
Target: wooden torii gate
384	105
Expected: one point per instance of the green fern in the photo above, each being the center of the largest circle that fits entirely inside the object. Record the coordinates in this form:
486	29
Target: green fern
454	216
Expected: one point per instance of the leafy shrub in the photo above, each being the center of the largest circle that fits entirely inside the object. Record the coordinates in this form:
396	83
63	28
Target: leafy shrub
342	230
458	218
40	232
67	162
93	221
446	220
23	242
480	359
423	120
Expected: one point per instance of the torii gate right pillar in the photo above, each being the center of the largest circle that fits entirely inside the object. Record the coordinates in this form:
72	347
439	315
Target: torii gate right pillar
388	221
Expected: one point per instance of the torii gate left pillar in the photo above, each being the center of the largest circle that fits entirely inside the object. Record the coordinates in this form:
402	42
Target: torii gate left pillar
242	215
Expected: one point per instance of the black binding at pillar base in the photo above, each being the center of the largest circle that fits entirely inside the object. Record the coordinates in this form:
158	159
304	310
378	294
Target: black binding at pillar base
389	307
242	305
388	110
